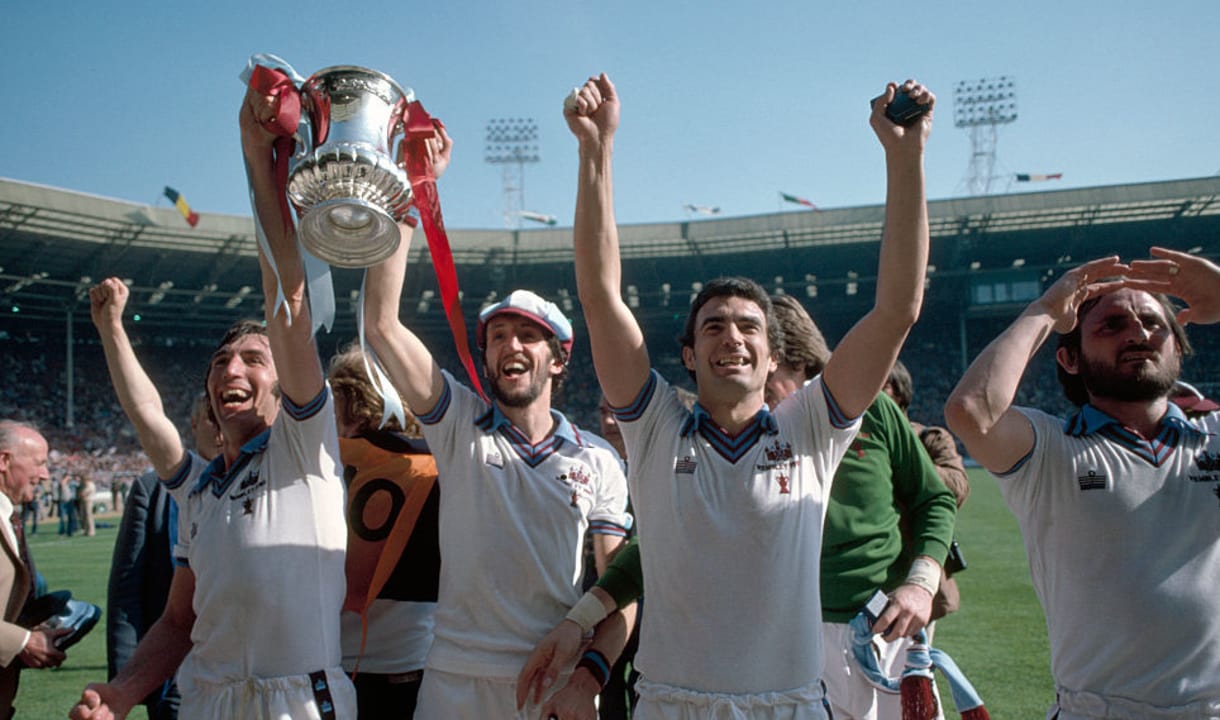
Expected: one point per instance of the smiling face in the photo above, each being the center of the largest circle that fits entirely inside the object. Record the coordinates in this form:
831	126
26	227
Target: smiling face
729	352
1128	349
519	361
242	387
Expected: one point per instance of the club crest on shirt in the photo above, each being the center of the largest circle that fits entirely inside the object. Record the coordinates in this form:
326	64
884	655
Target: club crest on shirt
684	465
1092	480
776	455
494	459
245	491
579	483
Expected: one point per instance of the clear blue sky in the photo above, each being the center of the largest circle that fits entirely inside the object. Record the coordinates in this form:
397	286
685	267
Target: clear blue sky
723	103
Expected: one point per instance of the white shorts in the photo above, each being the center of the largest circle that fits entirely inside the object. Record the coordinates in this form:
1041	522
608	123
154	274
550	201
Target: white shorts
449	696
280	698
666	702
1090	706
851	696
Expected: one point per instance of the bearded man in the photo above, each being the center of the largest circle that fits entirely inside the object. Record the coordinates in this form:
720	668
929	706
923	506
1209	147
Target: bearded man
1117	506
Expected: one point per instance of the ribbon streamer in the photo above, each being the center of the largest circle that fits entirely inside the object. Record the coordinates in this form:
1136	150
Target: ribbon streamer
921	660
421	127
270	75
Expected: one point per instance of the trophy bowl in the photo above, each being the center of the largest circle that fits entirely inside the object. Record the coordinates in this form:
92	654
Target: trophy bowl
348	190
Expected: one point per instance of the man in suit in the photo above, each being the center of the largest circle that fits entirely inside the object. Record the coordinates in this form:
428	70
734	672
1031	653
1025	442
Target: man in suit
23	463
143	564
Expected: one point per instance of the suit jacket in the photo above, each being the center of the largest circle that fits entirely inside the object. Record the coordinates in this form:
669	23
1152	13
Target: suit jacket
140	572
14	589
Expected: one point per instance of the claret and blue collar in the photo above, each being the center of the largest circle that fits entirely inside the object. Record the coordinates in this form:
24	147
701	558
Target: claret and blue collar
1090	420
701	418
494	420
216	475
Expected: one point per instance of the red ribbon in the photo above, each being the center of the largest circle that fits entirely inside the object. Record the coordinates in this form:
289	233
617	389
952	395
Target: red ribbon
277	83
421	127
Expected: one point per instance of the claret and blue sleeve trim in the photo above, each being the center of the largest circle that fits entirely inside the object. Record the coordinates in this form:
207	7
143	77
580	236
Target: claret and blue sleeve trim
838	418
605	527
437	412
309	409
635	409
173	482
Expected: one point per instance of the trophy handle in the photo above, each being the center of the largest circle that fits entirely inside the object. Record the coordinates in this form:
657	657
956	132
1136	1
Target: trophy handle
303	138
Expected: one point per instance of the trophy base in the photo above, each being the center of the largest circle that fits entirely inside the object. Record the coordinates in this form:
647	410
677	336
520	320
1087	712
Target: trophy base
348	232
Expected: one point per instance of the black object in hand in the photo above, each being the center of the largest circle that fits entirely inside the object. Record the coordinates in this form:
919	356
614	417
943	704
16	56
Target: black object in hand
903	110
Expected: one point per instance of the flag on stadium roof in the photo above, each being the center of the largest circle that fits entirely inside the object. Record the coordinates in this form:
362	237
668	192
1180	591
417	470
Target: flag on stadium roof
538	217
191	217
702	209
1026	177
799	201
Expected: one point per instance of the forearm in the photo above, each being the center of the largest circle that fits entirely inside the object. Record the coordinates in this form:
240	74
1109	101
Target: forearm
860	364
615	339
140	400
403	355
986	390
154	661
598	267
904	245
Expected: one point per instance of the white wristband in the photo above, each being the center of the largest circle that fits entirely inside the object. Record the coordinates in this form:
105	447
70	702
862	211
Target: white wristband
924	573
587	612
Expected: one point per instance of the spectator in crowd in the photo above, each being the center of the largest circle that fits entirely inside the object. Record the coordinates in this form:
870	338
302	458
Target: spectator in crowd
30	511
1117	505
261	534
745	486
23	463
67	505
393	547
86	491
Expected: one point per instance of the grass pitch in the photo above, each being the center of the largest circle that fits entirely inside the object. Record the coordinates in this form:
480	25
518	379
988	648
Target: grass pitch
998	637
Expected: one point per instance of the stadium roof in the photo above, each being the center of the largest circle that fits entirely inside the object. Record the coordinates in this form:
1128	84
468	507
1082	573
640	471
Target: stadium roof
55	243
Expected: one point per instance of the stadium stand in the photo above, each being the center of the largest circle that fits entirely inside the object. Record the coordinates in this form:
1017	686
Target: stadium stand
990	256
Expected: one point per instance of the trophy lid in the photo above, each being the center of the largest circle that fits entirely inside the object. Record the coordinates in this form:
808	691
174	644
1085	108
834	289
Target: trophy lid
341	79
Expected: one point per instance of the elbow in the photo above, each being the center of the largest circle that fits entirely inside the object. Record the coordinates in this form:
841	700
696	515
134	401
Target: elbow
960	415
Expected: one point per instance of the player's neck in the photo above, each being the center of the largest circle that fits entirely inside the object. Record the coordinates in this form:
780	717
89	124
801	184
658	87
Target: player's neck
732	414
1144	416
534	420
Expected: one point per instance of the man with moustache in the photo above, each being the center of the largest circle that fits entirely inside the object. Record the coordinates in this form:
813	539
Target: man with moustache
520	486
1118	506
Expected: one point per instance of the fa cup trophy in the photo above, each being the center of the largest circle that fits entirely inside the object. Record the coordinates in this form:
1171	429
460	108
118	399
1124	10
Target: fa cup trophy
349	188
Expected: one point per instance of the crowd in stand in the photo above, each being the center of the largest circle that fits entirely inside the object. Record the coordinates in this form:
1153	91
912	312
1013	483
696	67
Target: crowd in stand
102	444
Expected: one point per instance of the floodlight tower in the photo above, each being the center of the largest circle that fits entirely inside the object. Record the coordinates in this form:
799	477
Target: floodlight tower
982	106
512	143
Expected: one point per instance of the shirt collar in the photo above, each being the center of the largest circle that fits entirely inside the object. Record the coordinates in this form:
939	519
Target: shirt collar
1090	420
216	473
700	416
564	430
